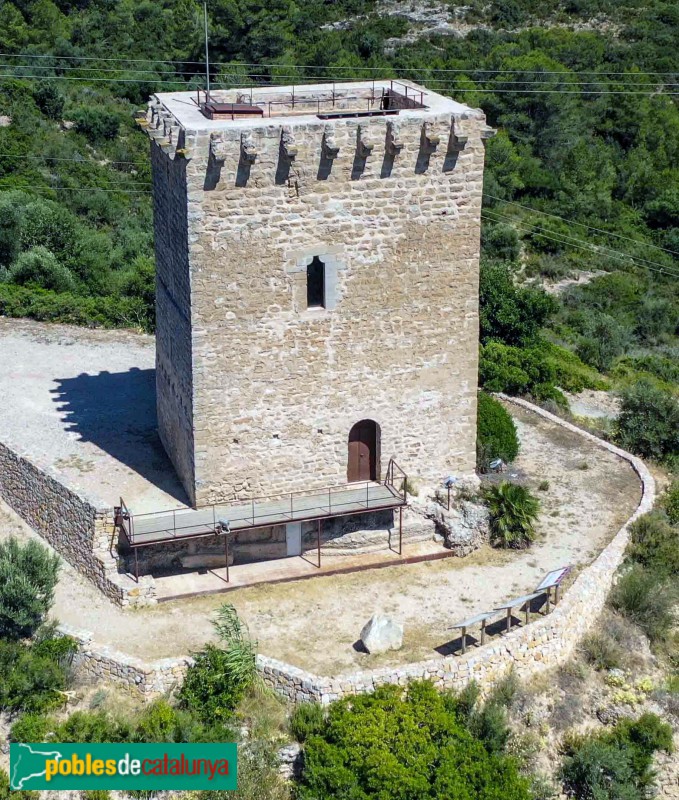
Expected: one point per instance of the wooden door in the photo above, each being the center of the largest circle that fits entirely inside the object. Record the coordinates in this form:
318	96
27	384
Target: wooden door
362	463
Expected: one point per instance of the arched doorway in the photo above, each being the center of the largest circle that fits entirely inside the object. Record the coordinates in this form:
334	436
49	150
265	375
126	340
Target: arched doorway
364	447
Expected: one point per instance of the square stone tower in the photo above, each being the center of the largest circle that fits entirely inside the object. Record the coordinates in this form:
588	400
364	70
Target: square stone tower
317	295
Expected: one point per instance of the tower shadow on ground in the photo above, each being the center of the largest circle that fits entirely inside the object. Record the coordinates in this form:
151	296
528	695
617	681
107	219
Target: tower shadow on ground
116	411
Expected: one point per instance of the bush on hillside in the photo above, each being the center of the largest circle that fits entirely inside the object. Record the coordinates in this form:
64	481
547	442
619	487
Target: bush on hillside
90	312
615	764
648	423
655	544
96	124
670	503
31	682
307	719
518	371
645	599
513	513
388	744
28	577
38	267
7	794
501	241
510	314
496	435
220	676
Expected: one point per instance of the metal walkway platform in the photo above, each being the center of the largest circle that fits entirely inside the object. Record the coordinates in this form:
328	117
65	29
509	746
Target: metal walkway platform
169	526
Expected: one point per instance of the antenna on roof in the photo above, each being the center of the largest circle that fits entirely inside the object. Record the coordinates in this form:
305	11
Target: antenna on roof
207	56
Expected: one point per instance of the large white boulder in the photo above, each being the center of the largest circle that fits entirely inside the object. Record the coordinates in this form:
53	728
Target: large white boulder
381	633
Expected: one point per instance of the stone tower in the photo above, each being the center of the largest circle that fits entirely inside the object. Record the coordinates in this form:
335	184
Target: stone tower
317	295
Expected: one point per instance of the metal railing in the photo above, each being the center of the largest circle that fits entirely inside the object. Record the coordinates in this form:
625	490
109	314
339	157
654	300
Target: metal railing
399	96
259	512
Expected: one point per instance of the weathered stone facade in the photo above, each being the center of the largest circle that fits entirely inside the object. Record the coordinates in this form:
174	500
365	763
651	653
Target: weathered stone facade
256	392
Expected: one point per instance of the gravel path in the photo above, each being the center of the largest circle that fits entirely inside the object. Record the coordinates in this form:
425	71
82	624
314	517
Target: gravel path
315	623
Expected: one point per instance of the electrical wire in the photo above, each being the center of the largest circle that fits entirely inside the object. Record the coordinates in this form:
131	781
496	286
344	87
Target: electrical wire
583	225
581	244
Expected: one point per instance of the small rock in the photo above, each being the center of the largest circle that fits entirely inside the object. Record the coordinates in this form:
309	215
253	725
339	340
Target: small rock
381	633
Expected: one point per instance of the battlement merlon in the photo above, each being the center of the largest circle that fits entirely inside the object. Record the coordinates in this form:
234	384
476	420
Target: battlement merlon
351	112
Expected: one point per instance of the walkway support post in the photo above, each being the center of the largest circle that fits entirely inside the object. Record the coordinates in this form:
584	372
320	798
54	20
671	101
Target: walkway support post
226	553
318	542
400	530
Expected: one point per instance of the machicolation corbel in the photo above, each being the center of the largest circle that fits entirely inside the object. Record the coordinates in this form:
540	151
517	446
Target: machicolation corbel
288	145
394	143
217	147
330	146
248	148
458	139
430	139
364	144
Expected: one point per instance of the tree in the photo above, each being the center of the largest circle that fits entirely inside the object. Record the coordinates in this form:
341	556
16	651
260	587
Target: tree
28	577
508	313
387	745
495	432
39	267
49	100
648	423
513	513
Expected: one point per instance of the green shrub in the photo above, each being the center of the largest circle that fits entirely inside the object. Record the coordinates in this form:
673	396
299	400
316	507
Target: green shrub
513	512
570	373
31	728
96	124
215	684
49	100
91	727
615	764
495	433
96	794
7	794
605	339
655	544
648	423
518	371
28	576
510	314
38	267
307	719
30	682
501	241
601	651
90	312
670	502
387	745
646	600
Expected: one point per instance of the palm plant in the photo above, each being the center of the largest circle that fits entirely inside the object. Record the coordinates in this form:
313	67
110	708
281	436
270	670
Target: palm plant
513	512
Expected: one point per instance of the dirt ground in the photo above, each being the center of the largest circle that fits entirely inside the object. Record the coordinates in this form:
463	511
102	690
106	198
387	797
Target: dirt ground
586	493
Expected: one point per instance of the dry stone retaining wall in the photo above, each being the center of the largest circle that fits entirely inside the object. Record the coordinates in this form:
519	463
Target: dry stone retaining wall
543	644
76	529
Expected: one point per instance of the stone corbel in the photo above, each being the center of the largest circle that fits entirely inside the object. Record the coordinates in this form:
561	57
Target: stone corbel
217	147
248	148
288	145
458	139
330	146
487	132
430	139
364	144
394	143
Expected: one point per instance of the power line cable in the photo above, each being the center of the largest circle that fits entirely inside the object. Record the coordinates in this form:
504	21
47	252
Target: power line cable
583	225
579	243
317	67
